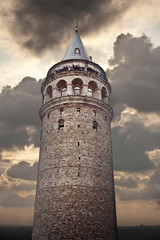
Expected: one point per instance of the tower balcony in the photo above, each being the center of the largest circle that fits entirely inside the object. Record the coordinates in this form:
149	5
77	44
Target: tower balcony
76	67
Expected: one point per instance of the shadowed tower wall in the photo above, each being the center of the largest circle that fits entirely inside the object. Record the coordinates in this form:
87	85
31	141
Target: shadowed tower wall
75	189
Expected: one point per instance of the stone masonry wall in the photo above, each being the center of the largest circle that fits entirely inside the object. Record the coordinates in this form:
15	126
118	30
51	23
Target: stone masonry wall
75	191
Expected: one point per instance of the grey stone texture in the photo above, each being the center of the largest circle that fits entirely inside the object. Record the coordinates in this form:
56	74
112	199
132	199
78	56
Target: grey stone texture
75	188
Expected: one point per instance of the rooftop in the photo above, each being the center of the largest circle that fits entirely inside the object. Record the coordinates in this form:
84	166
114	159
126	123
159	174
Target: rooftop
76	49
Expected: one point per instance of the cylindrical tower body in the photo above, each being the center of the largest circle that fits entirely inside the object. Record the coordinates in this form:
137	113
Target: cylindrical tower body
75	189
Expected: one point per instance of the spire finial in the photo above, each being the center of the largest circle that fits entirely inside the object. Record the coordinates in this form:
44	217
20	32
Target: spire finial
76	28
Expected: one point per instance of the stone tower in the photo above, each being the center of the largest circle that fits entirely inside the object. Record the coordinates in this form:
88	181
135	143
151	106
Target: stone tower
75	190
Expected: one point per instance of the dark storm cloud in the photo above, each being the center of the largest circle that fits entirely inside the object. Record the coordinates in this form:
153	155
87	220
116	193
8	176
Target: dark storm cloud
130	143
13	137
136	73
23	170
43	24
10	199
19	108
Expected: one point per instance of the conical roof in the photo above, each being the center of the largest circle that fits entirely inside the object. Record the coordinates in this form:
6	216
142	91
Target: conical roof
76	50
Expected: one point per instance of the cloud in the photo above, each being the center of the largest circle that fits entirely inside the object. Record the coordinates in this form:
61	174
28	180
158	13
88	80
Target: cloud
135	73
5	160
155	177
147	190
128	182
38	25
130	143
2	170
17	103
158	202
23	170
148	193
19	108
10	199
24	186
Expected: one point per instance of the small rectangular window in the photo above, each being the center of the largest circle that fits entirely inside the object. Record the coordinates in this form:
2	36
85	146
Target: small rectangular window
78	110
95	125
78	143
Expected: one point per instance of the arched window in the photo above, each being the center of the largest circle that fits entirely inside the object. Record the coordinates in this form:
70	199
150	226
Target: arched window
95	125
61	124
62	87
77	51
92	87
77	84
49	92
90	92
104	94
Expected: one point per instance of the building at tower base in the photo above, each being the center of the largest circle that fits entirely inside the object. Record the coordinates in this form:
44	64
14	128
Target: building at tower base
75	190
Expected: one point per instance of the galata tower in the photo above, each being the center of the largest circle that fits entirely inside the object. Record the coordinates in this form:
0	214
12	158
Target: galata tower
75	190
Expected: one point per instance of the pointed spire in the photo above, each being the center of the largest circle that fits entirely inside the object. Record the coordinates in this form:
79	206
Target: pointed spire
76	49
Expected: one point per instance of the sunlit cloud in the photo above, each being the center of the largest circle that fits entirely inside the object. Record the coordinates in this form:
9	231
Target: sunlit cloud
154	155
29	154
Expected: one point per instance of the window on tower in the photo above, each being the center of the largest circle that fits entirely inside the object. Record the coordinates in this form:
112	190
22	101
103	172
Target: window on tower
61	124
92	88
77	86
78	110
62	87
104	94
61	111
95	125
49	92
77	51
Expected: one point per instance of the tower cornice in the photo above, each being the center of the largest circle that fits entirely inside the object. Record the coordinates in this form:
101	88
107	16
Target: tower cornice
67	100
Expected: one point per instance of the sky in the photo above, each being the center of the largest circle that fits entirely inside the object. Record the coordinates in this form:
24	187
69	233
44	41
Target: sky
123	38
